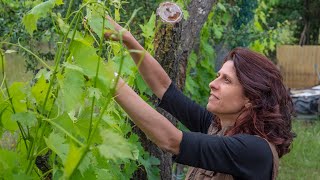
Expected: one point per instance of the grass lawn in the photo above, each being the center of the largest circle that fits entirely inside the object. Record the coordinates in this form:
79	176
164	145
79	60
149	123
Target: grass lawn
303	162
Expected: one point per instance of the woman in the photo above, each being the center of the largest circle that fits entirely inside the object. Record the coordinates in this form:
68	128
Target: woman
242	132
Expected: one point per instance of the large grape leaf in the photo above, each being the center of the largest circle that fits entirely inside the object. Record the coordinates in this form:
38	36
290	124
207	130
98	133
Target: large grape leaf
86	58
71	94
18	98
86	167
39	11
115	147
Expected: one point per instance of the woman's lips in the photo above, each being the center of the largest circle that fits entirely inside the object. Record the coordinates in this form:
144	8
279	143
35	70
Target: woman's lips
214	96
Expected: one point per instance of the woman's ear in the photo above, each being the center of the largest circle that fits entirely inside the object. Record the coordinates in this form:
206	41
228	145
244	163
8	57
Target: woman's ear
247	103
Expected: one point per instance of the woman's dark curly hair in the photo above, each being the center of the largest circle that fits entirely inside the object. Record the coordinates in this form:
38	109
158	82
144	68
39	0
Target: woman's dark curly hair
269	115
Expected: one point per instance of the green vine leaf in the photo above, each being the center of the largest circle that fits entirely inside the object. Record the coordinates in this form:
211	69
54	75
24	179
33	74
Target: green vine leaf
150	163
86	58
88	161
39	11
18	96
148	32
39	91
103	173
71	94
58	145
72	160
79	128
11	165
95	15
116	147
25	118
7	122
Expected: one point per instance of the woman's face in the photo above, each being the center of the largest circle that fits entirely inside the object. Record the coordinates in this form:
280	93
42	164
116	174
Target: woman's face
226	93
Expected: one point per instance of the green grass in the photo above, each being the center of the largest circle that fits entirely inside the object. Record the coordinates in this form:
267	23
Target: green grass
303	162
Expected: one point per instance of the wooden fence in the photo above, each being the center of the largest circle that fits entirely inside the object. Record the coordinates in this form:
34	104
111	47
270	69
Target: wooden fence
299	65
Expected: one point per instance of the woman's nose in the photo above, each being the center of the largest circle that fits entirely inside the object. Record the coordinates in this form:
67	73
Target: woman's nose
214	84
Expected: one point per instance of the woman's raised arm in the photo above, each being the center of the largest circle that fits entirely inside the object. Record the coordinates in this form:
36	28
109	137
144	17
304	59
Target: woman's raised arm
152	72
157	128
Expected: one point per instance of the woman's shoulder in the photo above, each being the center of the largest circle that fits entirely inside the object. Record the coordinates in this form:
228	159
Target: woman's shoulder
253	146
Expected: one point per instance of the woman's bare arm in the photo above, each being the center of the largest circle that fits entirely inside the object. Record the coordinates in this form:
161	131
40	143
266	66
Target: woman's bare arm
157	128
152	72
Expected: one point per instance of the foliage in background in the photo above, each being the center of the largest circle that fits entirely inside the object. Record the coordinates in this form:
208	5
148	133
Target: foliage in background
303	16
200	69
147	8
269	36
42	41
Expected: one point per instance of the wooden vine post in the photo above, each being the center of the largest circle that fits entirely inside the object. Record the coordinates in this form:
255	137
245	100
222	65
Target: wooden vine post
167	37
166	43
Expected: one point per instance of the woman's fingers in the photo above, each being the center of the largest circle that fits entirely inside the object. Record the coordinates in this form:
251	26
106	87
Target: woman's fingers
112	35
116	26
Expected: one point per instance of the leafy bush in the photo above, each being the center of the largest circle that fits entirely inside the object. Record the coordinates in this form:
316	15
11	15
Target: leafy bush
65	123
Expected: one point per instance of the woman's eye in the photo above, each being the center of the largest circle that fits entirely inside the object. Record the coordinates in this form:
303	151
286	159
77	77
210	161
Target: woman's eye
227	80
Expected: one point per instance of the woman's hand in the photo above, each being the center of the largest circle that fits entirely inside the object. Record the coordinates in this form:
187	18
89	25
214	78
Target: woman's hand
151	71
114	34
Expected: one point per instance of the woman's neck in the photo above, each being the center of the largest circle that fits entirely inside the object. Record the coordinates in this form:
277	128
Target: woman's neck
227	121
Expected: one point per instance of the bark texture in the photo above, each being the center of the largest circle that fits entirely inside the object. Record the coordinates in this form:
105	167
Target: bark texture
198	14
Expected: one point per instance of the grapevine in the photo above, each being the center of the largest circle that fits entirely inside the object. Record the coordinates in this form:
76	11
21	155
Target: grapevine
68	123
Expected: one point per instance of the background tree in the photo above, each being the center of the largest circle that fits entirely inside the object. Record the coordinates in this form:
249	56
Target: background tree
303	15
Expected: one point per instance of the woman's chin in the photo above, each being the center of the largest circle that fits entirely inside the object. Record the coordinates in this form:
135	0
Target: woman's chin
210	108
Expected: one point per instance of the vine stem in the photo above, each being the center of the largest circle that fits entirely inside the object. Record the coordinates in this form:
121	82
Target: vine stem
46	173
69	8
64	131
96	76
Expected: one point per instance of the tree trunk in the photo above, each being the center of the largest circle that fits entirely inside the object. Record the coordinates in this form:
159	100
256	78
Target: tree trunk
198	14
305	35
173	44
